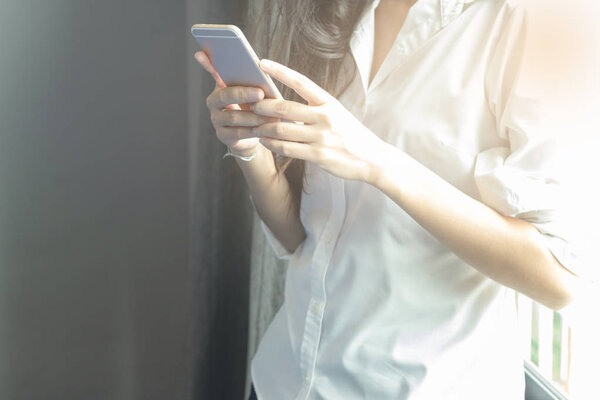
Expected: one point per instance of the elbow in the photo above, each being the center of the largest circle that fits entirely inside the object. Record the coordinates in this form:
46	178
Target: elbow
556	298
559	301
557	286
577	292
565	287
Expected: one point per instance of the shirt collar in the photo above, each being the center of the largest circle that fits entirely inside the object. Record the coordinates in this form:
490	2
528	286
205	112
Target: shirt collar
450	9
361	42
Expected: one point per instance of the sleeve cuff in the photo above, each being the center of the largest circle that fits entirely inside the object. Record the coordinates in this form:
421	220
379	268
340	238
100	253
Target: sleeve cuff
516	191
559	241
279	249
565	254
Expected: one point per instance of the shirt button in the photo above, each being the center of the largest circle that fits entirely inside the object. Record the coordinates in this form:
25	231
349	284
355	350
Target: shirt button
329	238
316	308
306	378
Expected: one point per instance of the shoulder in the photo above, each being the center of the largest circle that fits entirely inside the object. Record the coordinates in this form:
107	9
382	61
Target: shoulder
553	11
556	5
556	34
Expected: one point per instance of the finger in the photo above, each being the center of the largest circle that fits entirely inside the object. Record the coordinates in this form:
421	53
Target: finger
231	134
245	107
287	131
305	88
232	107
286	109
286	148
238	118
207	64
233	95
227	107
203	60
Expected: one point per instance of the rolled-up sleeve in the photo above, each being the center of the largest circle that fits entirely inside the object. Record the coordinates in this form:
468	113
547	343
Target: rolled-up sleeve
521	179
278	248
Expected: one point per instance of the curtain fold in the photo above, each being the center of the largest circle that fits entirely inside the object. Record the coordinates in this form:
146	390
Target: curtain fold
220	234
235	281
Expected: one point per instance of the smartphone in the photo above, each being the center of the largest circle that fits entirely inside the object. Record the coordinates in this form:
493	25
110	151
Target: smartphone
233	57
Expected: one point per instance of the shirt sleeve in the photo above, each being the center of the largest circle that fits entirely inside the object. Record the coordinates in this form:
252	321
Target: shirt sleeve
521	178
278	248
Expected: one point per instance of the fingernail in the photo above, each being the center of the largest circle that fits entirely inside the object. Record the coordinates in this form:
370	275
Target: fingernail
265	62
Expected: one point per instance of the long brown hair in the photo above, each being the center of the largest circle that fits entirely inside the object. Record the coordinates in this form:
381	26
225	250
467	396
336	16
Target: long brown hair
312	37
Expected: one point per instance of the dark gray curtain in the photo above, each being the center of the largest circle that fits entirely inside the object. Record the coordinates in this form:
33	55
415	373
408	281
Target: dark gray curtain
229	252
125	238
93	199
221	225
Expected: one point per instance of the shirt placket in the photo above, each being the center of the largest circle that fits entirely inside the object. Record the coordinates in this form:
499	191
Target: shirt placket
404	45
320	263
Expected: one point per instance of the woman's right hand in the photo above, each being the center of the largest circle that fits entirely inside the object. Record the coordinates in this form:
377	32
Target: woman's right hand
230	111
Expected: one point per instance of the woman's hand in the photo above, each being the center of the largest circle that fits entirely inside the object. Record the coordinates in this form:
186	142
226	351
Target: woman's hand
229	111
328	135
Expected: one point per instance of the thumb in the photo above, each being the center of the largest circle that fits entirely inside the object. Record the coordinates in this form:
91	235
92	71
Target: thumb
204	60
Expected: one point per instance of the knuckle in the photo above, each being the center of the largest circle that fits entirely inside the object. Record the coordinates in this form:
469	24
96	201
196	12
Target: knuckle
320	137
241	94
257	107
234	118
299	81
320	154
280	129
323	117
284	149
236	93
222	97
214	118
302	80
281	108
212	99
256	120
247	95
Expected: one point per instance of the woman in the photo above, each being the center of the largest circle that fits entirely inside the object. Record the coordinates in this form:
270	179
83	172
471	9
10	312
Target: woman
419	198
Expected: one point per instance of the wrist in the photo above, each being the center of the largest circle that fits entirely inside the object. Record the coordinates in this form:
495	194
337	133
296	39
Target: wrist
242	153
262	154
380	164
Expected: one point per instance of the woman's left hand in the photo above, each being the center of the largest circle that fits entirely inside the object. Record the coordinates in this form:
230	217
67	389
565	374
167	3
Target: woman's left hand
328	135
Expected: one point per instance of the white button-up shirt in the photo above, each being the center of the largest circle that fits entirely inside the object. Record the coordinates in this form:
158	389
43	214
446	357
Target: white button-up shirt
375	306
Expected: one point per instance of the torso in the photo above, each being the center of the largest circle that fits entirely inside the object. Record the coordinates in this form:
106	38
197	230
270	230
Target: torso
375	306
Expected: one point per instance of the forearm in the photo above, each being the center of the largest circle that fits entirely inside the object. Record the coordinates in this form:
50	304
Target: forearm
508	250
271	198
